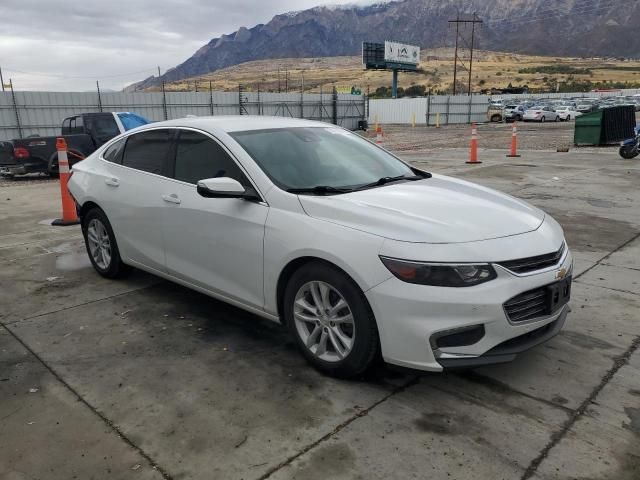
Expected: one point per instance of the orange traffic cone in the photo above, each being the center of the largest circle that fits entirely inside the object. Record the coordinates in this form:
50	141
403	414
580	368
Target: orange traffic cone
379	134
514	142
69	215
473	156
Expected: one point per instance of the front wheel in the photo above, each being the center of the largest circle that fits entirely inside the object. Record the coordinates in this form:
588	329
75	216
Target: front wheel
330	320
629	151
542	120
101	245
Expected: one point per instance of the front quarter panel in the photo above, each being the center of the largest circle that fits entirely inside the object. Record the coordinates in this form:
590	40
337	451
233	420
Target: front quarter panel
291	234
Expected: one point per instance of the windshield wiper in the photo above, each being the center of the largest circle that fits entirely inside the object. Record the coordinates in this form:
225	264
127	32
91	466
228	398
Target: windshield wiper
321	190
385	180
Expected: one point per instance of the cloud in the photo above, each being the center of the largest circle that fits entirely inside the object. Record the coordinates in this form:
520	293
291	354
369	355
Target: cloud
58	45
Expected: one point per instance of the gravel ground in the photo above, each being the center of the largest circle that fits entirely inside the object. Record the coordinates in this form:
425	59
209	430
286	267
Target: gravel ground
531	136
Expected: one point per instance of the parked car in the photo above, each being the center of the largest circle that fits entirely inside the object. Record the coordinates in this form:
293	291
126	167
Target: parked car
83	133
357	252
541	114
513	113
495	113
567	113
586	107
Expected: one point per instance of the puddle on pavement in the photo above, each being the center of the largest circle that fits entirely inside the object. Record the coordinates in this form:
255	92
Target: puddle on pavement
73	261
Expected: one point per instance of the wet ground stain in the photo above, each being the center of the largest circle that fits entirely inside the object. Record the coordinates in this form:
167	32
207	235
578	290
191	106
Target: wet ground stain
591	233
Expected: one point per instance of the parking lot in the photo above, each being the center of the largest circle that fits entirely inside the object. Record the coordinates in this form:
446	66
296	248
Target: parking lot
142	378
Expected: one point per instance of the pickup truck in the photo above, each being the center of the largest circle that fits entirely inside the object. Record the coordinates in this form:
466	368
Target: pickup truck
84	133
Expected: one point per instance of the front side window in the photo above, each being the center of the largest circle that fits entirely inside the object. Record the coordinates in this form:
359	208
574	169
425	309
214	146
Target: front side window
148	151
306	157
199	157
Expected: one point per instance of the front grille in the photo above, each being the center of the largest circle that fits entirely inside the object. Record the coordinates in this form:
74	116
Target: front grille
531	264
527	305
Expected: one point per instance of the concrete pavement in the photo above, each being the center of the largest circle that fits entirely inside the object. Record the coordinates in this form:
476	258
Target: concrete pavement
145	379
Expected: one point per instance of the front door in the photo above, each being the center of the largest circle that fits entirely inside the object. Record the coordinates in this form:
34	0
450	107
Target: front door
215	243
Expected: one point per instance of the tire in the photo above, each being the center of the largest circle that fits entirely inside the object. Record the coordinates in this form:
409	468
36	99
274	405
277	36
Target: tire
568	118
95	224
628	152
542	120
333	286
496	118
557	119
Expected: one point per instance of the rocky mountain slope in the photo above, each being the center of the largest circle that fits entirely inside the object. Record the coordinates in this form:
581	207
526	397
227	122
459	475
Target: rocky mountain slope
546	27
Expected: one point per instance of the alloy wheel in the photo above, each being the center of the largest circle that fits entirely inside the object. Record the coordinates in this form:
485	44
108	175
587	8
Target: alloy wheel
99	243
324	321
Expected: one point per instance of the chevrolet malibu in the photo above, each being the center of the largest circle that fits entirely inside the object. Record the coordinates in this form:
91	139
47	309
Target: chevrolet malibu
357	253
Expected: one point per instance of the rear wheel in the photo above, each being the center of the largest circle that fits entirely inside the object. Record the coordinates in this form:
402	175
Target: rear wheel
101	245
330	320
542	120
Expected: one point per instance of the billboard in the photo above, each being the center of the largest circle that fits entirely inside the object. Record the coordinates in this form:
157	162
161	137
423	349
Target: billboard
401	53
348	89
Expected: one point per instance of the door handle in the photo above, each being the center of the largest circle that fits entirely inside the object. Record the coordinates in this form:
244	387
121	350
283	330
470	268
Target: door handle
172	198
112	182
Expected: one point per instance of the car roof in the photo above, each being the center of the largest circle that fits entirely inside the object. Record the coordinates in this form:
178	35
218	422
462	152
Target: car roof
238	123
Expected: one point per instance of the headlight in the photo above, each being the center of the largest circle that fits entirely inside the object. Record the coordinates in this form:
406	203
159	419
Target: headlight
438	274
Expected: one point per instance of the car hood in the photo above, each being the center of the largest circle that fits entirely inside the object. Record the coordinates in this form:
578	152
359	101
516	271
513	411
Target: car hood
436	210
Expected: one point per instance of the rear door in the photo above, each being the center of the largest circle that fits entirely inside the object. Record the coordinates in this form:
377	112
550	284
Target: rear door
214	243
133	182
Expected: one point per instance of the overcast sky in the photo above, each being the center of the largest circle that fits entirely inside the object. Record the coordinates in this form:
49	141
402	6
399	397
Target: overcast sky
66	45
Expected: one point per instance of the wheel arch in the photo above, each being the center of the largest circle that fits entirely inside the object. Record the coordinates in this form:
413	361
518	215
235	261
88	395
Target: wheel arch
293	266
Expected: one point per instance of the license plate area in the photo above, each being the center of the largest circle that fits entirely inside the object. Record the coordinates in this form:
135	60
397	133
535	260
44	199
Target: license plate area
558	295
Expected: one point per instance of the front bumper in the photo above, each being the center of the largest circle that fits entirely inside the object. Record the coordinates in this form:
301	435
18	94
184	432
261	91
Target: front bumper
409	317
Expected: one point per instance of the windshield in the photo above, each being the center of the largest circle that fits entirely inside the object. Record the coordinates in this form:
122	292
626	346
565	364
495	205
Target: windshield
308	157
131	120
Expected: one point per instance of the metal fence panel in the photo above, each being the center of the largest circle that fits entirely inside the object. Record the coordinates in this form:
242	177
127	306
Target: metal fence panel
454	109
41	113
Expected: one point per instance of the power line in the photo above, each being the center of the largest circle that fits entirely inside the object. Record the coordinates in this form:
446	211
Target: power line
457	58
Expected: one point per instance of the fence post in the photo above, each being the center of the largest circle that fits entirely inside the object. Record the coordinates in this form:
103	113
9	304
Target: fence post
320	105
258	101
99	97
15	109
302	100
335	105
428	108
469	112
211	97
447	111
164	102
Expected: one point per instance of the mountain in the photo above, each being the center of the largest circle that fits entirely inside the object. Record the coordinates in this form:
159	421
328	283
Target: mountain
586	28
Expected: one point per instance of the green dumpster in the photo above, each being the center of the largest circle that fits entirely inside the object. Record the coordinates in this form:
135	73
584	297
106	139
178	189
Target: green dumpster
607	126
588	128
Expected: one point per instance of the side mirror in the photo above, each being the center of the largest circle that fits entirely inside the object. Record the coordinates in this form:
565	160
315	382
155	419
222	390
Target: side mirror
225	187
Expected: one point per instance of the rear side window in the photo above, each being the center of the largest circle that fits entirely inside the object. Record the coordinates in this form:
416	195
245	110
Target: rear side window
148	151
199	157
114	152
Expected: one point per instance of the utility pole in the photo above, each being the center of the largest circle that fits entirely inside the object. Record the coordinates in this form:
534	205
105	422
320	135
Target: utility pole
457	58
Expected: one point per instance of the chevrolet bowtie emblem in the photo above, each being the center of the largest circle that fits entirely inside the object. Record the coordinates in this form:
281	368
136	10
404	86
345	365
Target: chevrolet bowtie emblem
560	274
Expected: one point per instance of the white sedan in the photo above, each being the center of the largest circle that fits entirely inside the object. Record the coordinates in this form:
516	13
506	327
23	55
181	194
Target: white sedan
567	113
359	254
541	114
